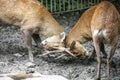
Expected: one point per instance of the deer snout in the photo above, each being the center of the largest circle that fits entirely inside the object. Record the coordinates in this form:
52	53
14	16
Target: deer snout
83	53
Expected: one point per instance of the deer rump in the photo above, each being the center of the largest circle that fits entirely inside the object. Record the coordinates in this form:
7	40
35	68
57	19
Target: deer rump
104	26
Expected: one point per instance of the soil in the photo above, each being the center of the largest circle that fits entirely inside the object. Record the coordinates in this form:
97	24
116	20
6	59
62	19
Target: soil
14	56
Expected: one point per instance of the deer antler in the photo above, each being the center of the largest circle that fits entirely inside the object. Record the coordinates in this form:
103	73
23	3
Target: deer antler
49	52
59	49
63	49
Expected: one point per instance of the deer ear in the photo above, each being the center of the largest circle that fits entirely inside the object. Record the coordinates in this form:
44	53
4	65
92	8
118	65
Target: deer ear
72	45
62	36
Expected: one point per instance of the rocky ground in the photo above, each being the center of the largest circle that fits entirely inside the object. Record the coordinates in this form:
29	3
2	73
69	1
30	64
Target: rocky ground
14	56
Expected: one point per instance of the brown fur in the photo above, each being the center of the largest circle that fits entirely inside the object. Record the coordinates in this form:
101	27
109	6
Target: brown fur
31	17
104	27
81	32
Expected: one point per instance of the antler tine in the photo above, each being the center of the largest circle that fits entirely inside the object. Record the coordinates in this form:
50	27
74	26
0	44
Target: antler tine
60	56
49	52
65	50
58	49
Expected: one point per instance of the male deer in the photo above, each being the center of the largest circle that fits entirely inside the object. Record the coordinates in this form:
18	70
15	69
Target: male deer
80	33
104	27
31	17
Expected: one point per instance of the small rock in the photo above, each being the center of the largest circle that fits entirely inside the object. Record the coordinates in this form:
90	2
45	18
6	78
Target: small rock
30	65
17	55
30	70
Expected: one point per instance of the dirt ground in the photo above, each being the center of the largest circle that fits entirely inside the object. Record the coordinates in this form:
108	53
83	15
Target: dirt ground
14	56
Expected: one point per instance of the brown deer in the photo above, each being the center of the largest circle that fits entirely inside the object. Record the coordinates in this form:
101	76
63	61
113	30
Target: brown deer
104	26
80	33
32	18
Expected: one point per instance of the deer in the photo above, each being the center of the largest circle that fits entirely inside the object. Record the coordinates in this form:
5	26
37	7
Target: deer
104	27
83	31
80	33
32	18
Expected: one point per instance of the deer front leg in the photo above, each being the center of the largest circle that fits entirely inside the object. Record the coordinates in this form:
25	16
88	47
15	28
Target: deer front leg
28	40
37	39
102	48
93	54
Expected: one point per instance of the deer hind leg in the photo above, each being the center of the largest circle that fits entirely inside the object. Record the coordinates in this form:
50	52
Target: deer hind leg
110	55
97	49
28	40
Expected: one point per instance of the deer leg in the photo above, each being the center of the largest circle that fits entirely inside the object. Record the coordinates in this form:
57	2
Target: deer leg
109	57
102	48
28	40
93	54
37	39
97	49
